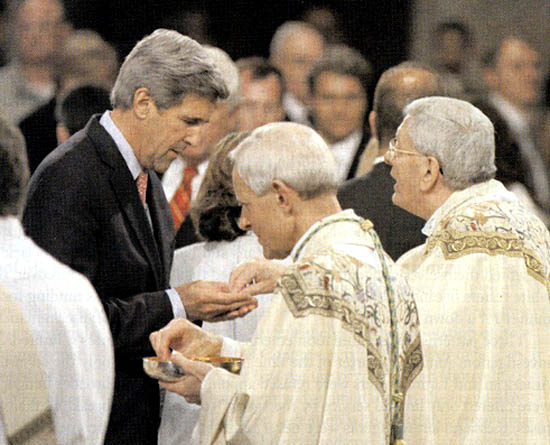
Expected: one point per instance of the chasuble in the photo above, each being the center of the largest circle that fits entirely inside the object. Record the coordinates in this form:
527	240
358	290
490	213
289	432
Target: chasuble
481	285
320	366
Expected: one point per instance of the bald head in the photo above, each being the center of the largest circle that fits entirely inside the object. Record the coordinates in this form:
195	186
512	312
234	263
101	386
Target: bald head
294	49
397	87
290	152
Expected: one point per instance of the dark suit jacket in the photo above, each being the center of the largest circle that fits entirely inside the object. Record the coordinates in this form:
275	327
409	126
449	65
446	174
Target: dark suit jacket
83	207
510	165
370	197
356	157
39	129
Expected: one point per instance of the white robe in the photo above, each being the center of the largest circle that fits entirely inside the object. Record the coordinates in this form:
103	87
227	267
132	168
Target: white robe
208	261
71	333
317	370
481	285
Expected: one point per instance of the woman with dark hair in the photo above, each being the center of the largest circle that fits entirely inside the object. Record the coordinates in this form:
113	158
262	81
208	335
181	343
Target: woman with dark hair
215	215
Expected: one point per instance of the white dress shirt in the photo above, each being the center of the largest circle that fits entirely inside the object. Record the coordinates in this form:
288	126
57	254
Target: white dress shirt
295	109
172	178
344	152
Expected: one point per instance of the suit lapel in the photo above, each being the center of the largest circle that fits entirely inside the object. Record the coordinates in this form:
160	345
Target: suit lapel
162	223
358	152
124	188
130	204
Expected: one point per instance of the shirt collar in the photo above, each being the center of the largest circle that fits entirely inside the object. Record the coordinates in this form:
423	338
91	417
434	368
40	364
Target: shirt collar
378	160
122	144
349	142
517	120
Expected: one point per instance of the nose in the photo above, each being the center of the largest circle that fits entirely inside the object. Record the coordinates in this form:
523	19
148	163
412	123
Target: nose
194	136
388	157
244	224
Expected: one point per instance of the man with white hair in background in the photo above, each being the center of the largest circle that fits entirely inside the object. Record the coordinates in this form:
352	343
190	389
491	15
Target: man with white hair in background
183	178
294	49
332	359
481	280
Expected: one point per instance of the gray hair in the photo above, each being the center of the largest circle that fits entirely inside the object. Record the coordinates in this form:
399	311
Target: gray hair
287	30
289	152
229	72
14	169
170	66
458	134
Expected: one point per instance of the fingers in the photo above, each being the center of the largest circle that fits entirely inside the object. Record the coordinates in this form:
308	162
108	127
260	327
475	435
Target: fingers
163	339
160	344
261	287
240	312
188	387
219	313
242	276
191	367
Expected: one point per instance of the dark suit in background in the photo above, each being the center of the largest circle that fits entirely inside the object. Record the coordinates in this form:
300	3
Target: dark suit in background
358	152
84	208
370	196
39	130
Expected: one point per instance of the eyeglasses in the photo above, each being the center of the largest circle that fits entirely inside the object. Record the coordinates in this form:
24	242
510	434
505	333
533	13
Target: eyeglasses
393	150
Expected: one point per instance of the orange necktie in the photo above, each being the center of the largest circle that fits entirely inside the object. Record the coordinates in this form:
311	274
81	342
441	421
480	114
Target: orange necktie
141	183
181	201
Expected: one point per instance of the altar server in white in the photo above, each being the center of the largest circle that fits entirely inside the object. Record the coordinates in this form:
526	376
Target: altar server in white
61	309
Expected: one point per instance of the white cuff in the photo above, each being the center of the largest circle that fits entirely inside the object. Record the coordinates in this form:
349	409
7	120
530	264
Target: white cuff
177	304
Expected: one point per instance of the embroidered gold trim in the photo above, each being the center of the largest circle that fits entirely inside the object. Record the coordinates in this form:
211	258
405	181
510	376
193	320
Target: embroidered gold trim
321	302
456	244
412	364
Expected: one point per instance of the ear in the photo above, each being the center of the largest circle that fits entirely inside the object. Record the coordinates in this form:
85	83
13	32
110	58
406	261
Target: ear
372	124
284	195
432	174
143	103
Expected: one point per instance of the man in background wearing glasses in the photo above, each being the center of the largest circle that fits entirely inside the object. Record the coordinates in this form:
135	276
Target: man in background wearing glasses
370	194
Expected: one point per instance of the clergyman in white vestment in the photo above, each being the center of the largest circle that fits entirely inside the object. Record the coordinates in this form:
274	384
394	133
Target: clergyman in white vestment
335	354
481	280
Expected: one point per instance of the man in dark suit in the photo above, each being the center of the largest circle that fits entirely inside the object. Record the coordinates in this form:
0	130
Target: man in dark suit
371	195
339	84
96	204
513	74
